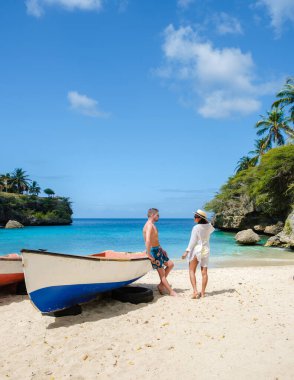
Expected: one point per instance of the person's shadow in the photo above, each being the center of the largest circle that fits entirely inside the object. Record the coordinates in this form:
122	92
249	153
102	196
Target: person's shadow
218	292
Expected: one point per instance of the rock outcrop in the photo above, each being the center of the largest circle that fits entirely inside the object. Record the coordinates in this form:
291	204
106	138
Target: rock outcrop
247	237
284	239
240	214
13	224
274	229
31	210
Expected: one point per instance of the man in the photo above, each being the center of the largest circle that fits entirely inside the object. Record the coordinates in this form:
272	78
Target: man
156	254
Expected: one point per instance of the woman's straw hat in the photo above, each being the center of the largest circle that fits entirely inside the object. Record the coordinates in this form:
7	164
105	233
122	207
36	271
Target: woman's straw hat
200	214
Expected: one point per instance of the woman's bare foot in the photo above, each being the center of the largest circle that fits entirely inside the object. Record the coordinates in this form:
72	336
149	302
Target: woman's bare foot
202	295
195	296
173	293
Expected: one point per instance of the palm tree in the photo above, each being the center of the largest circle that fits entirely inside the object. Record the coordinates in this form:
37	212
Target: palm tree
260	149
286	96
20	180
274	124
244	163
34	189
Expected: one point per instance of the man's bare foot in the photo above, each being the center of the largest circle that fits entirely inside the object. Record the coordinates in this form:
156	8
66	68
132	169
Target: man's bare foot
161	288
195	296
173	293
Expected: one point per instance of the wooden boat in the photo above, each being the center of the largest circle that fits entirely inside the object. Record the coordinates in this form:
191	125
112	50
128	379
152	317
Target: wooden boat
58	281
10	269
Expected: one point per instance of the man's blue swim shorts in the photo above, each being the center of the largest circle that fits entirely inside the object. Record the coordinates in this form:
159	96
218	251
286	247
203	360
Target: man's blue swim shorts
160	257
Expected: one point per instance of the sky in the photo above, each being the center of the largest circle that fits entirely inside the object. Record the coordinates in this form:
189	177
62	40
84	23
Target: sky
123	105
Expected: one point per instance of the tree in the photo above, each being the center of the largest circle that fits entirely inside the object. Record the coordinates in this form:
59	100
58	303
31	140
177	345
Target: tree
49	192
286	96
245	162
20	180
274	125
260	149
34	188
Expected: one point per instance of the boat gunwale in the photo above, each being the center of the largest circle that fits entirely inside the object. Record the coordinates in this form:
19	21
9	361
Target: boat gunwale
10	258
82	257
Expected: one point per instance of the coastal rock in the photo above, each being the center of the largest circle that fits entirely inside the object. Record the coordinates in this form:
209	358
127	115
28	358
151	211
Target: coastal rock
259	228
274	241
274	229
284	239
247	237
13	224
240	214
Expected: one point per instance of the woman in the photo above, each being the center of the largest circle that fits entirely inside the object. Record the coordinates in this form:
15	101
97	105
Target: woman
198	251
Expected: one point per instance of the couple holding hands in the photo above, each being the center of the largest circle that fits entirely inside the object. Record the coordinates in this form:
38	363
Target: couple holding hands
196	252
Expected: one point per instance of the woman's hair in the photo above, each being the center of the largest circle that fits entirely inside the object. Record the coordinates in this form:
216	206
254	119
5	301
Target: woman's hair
202	221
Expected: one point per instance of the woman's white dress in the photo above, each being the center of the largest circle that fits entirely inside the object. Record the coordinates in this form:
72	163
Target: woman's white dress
199	243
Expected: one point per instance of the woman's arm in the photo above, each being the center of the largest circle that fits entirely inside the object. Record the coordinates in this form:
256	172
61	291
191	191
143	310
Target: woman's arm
192	243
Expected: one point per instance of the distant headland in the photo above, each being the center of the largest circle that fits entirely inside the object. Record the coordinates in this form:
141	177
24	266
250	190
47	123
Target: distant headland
20	201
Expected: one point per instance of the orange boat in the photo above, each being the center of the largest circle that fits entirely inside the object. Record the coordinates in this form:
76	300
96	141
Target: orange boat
11	270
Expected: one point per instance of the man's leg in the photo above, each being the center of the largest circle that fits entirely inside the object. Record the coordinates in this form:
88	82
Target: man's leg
192	273
169	266
163	281
204	280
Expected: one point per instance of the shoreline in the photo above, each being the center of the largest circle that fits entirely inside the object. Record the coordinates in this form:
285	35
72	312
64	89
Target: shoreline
243	328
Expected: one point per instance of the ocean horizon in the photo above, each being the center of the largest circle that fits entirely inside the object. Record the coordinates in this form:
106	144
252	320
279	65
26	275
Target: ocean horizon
91	235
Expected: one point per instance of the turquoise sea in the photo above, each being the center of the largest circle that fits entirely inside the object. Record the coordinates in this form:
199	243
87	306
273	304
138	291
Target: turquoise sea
86	236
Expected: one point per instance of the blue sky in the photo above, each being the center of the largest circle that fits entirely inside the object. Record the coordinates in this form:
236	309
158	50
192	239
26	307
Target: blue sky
124	105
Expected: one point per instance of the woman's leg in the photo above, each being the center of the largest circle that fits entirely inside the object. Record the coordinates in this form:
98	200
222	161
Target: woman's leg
204	280
192	273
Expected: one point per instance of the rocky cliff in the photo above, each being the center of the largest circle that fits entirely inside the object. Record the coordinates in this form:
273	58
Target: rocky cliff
259	196
34	211
286	237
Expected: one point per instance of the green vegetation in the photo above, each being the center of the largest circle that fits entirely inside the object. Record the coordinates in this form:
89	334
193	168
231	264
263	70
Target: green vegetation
286	96
19	201
268	185
275	127
33	210
265	178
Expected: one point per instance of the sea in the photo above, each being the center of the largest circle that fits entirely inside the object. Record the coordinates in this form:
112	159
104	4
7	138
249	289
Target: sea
88	236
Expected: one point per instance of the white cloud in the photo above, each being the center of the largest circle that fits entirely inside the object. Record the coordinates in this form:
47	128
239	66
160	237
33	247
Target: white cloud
280	11
226	24
85	105
36	7
185	3
222	82
221	104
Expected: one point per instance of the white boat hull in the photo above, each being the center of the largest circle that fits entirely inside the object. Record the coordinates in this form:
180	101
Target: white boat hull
56	281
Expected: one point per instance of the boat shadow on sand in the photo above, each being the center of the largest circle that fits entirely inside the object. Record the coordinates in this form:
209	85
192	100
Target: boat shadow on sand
11	294
104	307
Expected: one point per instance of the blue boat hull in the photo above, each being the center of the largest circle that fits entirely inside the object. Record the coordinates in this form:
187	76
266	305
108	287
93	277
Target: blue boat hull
55	298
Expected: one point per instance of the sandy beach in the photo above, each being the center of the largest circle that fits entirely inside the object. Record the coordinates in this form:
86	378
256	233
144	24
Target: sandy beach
242	329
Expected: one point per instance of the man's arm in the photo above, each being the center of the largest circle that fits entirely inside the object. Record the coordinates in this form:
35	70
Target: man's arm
148	241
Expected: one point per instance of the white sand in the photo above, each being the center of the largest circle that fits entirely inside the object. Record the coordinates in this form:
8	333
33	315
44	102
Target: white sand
243	329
